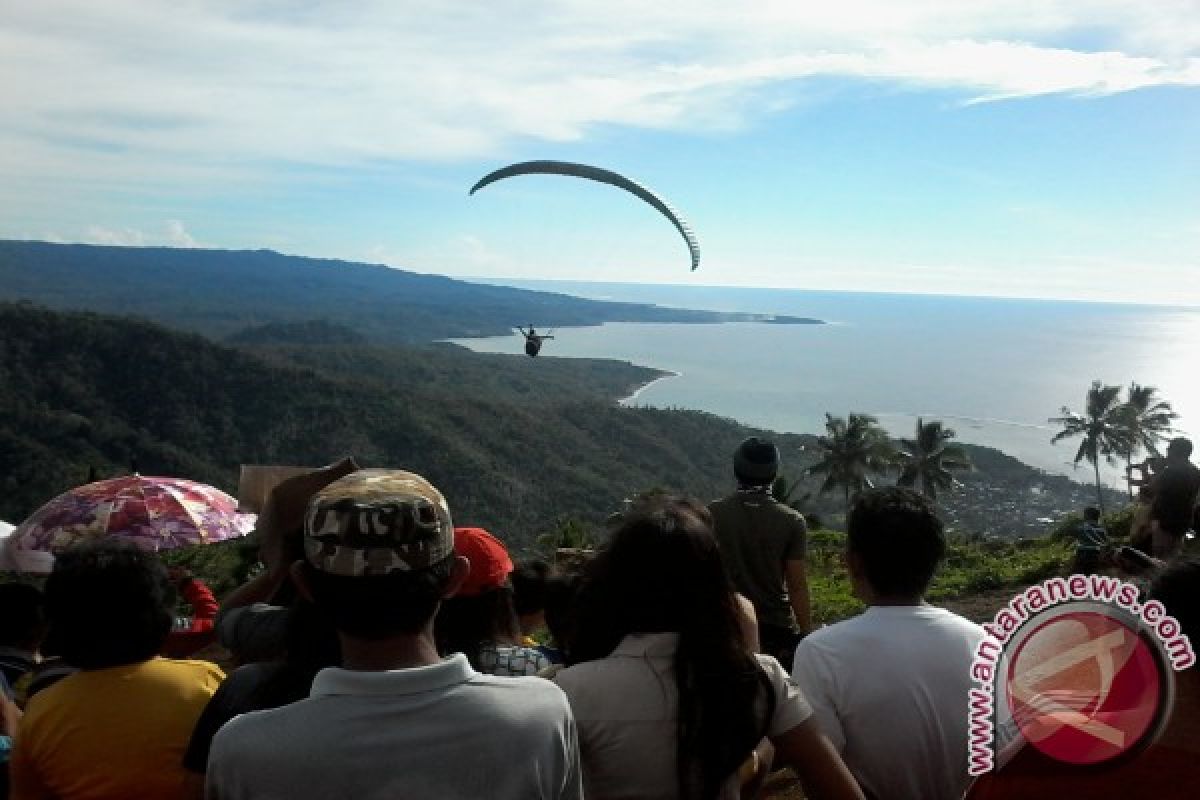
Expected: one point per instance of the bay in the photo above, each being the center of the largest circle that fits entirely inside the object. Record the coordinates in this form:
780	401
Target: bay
993	369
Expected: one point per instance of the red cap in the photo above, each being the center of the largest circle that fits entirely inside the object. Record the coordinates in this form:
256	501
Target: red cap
489	559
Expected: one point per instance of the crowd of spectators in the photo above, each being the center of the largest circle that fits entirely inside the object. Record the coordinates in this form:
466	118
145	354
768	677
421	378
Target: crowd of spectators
384	652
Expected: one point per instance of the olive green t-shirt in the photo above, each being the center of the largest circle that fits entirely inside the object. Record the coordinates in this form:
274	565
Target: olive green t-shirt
757	536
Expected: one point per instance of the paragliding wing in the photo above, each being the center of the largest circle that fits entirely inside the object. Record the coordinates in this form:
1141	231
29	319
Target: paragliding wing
601	175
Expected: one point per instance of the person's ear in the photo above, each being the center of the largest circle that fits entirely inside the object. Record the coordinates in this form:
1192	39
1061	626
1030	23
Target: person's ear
299	574
859	585
458	574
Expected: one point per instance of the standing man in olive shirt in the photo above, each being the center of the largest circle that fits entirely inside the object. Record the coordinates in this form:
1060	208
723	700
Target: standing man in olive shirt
763	543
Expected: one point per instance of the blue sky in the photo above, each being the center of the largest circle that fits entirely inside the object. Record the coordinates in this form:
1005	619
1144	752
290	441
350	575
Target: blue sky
1012	148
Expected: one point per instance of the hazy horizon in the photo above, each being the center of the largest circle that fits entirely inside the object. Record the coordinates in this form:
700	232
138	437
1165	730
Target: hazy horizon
1028	149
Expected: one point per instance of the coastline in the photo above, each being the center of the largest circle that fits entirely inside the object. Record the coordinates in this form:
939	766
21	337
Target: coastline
667	374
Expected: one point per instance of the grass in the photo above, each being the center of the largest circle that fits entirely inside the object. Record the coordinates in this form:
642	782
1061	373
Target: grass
971	567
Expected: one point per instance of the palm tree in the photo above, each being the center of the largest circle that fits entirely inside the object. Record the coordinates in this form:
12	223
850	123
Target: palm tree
927	460
785	491
569	534
1102	427
1147	420
851	448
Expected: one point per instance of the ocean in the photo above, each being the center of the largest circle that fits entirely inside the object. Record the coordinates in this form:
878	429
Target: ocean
993	369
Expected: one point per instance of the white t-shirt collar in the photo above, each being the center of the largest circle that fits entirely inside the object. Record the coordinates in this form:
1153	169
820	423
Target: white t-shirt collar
448	672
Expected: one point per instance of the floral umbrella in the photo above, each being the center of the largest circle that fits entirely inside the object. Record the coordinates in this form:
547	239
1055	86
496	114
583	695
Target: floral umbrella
151	513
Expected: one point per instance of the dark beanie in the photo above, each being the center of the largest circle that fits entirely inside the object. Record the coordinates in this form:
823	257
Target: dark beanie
756	461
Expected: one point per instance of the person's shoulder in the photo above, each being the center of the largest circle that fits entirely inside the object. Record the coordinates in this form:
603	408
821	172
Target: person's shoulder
785	510
242	736
832	634
204	672
578	675
954	622
525	686
779	676
231	620
832	644
59	694
523	701
721	502
770	665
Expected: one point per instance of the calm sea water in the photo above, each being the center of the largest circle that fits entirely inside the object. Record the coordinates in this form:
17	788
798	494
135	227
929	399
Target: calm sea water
993	369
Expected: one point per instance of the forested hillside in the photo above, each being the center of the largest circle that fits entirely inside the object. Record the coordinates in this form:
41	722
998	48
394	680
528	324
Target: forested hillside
222	292
516	443
513	447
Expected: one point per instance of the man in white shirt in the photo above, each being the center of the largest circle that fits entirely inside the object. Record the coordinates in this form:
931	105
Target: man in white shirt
397	721
890	686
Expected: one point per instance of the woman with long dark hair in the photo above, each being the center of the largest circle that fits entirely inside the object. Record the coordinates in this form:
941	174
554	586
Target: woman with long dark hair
668	700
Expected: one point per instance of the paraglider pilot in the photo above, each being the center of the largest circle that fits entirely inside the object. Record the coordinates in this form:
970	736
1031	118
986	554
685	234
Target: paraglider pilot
533	340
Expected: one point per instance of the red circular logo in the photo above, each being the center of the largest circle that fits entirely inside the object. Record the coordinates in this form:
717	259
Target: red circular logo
1084	687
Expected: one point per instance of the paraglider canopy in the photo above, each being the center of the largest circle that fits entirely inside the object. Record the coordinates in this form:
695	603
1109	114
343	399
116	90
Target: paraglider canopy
601	175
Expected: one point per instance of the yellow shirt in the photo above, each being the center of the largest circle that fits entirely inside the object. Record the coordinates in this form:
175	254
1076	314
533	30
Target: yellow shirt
109	734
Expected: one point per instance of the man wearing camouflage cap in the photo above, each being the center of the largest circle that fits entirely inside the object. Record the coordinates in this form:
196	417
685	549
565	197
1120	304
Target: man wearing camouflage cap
397	720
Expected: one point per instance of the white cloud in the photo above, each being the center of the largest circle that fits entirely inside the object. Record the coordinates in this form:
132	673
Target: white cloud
98	234
174	234
100	91
460	254
178	236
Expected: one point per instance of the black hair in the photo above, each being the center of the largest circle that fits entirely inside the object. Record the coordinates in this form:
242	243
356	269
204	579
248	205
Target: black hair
312	645
379	606
561	590
1091	514
529	586
1178	588
466	623
898	537
1180	447
22	616
108	605
662	572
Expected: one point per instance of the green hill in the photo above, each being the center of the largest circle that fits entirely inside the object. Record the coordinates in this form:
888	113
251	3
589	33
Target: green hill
516	443
221	293
512	446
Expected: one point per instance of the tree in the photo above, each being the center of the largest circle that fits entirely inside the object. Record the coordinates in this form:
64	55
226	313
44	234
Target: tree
928	460
785	491
1102	427
1147	419
851	448
569	534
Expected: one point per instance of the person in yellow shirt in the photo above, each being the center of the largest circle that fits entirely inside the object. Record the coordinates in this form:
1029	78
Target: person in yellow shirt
119	727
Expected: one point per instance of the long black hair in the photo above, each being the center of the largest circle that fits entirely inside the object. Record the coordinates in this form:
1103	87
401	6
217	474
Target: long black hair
662	572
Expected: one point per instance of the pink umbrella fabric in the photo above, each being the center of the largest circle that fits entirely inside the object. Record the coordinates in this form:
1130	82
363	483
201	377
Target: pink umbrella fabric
151	513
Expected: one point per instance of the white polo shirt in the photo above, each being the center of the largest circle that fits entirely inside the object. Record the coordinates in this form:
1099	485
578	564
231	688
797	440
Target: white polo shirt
626	707
890	690
441	731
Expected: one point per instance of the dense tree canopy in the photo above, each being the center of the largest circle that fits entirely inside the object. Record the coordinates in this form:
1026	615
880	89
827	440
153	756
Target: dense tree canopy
518	444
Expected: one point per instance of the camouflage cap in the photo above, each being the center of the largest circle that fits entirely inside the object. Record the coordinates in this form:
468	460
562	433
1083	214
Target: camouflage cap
376	521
